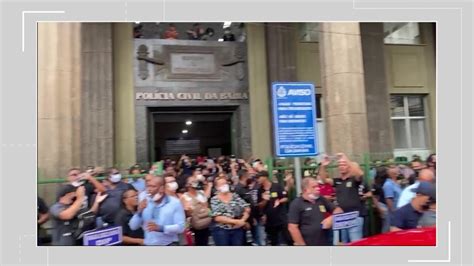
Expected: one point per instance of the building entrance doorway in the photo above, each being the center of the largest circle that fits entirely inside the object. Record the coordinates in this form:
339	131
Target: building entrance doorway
201	131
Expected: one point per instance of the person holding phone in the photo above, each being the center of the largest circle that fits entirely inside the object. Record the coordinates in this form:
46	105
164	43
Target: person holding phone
87	180
347	196
160	216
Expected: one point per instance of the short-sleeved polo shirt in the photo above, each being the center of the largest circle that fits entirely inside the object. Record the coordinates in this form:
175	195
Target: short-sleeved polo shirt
308	216
347	194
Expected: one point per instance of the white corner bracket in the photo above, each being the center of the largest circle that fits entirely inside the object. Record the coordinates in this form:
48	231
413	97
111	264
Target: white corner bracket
449	250
23	23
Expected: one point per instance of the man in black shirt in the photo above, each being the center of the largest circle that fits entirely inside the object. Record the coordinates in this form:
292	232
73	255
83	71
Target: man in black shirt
347	196
310	215
407	217
271	201
129	207
87	180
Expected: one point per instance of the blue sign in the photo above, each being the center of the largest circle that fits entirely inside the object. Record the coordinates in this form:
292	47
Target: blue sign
103	237
294	119
344	220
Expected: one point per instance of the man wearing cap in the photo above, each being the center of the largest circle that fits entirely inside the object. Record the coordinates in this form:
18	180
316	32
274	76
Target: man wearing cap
70	202
408	216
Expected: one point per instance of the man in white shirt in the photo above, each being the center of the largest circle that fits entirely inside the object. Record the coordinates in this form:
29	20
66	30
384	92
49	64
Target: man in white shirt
407	194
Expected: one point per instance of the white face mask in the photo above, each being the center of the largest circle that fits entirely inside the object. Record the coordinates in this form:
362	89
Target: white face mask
200	177
157	197
77	183
313	196
224	188
172	186
115	178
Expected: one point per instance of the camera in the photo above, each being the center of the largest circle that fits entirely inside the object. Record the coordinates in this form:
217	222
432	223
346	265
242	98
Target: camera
200	185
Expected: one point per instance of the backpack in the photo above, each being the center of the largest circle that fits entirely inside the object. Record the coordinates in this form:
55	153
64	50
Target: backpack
200	218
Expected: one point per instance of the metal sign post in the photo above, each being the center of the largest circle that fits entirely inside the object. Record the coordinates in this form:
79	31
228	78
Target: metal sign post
298	175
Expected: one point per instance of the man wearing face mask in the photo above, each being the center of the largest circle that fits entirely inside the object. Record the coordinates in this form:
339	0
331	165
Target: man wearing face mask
90	184
111	206
309	215
408	216
161	216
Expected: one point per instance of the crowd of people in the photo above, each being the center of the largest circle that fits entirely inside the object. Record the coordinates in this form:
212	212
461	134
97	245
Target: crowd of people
227	201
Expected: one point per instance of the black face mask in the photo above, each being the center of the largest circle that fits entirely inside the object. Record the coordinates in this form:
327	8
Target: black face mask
426	206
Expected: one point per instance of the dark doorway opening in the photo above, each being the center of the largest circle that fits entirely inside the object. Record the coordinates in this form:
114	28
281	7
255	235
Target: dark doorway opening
208	132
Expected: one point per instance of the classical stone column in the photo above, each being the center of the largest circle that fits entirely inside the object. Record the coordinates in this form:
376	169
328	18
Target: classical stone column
97	118
281	40
124	114
259	98
75	100
59	104
377	97
343	89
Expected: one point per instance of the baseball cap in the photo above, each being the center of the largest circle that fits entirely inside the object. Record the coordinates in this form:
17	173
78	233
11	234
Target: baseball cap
66	189
427	189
